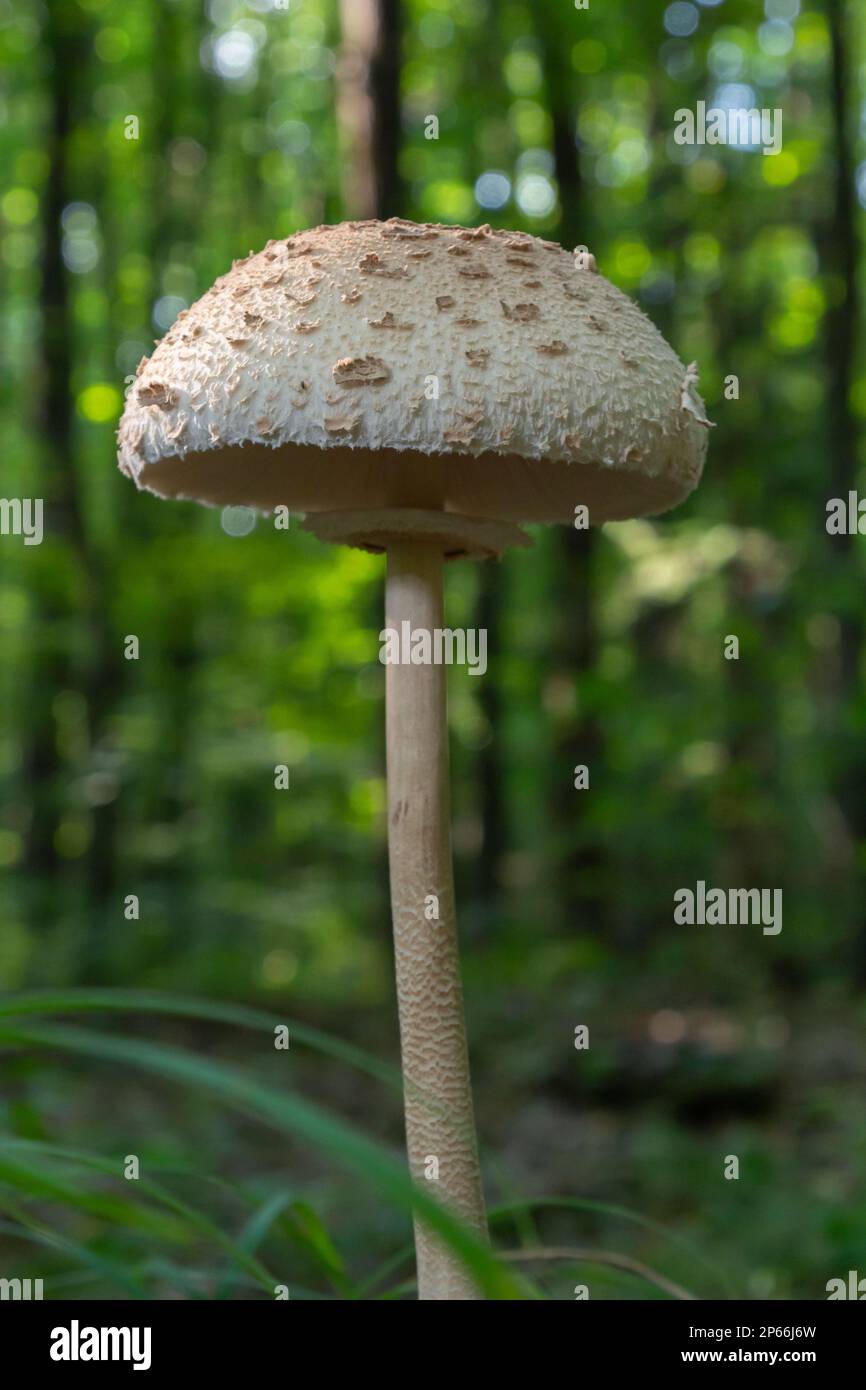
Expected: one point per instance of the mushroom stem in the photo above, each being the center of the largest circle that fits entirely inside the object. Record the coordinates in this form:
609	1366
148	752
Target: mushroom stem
440	1124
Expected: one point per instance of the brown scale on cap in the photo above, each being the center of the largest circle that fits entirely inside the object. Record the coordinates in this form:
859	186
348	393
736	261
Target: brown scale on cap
158	394
301	297
374	265
360	371
389	320
186	432
521	313
404	229
341	424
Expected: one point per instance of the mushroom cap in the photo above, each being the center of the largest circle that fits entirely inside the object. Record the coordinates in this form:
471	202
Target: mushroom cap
381	365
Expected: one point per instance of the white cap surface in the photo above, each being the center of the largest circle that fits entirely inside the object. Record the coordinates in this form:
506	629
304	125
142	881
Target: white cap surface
387	364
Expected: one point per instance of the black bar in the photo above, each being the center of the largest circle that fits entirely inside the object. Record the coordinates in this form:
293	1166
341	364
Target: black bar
235	1337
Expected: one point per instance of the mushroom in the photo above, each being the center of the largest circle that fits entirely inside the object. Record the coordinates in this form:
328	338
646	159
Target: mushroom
404	447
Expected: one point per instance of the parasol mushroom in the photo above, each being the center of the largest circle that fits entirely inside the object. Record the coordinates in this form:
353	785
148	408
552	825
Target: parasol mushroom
418	390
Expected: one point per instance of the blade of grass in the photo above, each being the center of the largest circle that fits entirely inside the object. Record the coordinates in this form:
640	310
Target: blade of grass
117	1274
179	1006
251	1237
290	1115
393	1262
611	1258
154	1001
510	1209
304	1228
35	1183
200	1223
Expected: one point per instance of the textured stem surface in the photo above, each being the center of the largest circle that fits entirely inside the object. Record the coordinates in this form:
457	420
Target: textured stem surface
440	1125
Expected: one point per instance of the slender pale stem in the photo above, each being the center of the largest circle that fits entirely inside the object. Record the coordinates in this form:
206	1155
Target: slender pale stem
440	1125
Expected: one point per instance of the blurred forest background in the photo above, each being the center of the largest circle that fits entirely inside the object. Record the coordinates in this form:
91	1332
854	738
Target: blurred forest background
155	777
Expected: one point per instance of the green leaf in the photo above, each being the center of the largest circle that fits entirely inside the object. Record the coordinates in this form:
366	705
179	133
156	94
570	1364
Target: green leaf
517	1208
288	1114
252	1235
35	1183
114	1271
304	1226
193	1218
154	1001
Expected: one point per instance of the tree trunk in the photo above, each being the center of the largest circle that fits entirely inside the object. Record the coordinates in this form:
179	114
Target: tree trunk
368	106
841	249
579	855
52	670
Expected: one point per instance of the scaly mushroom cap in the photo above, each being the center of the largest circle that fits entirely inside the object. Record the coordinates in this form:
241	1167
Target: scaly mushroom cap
379	365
